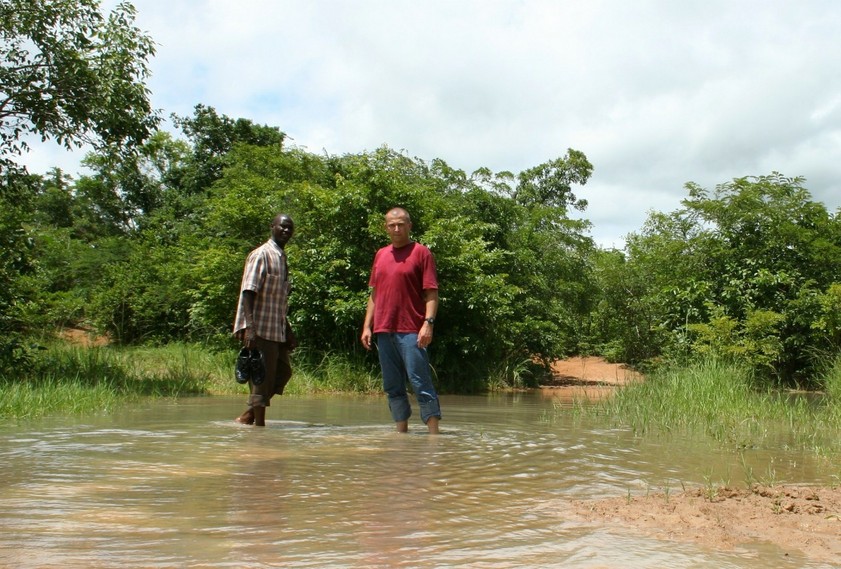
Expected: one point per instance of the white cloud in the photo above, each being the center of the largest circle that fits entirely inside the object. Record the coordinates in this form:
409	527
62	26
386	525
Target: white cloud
655	93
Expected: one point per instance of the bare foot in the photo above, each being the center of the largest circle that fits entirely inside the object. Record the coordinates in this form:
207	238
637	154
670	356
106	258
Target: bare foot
247	417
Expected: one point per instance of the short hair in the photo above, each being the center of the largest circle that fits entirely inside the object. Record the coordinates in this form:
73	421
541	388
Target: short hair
401	210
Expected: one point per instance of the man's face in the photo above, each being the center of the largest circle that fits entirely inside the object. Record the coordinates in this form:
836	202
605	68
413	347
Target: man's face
282	230
398	228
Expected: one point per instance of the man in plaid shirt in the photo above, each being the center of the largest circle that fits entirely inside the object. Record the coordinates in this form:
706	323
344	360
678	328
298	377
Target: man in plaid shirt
261	321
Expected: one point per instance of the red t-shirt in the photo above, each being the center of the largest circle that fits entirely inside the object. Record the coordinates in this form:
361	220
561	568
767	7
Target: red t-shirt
399	276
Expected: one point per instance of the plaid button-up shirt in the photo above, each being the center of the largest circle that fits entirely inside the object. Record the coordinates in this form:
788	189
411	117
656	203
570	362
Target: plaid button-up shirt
266	274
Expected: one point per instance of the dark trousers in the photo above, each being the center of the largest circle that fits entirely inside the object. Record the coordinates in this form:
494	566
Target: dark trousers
278	373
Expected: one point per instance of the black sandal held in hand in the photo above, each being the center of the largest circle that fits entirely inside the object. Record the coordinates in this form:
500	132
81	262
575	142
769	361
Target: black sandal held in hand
250	366
242	369
258	367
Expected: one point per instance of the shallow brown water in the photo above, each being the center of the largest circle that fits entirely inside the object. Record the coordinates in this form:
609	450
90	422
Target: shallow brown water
328	484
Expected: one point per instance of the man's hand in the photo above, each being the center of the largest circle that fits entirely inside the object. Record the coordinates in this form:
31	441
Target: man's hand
367	326
425	335
248	337
291	339
366	338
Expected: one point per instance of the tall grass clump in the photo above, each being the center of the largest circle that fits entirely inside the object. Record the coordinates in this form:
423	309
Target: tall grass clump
721	399
831	381
65	378
512	374
683	397
331	373
181	369
70	380
19	400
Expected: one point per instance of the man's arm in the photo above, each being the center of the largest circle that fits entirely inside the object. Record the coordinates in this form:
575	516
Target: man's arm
430	298
248	334
368	325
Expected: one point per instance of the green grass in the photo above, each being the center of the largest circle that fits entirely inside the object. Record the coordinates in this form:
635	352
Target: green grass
832	386
332	373
720	399
47	397
70	379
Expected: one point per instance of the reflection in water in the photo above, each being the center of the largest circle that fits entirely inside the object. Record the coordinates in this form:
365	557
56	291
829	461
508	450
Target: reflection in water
330	485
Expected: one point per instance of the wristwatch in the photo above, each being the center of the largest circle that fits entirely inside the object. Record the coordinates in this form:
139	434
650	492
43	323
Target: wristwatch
431	321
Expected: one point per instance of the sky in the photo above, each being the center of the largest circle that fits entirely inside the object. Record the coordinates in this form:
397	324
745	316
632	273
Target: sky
655	93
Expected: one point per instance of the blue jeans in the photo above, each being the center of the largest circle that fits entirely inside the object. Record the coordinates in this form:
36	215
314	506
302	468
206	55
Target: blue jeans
402	360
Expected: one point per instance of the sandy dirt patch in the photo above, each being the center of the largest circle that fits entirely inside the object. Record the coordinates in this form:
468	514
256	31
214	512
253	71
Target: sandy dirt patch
795	519
589	371
585	378
82	337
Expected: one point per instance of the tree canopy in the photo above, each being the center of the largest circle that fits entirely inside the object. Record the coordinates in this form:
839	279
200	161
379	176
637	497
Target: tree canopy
72	74
749	271
149	246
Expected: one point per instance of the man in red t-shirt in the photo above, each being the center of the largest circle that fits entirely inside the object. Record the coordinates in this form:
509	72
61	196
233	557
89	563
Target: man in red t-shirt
401	313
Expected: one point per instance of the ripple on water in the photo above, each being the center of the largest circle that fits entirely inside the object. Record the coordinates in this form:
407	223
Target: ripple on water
330	484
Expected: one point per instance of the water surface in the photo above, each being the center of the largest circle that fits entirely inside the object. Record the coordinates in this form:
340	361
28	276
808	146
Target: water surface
328	484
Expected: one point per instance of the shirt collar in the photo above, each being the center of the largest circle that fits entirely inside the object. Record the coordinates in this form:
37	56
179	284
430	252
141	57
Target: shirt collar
276	247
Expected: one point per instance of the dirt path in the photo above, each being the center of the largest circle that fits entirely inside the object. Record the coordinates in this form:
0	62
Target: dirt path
80	337
589	371
794	518
585	378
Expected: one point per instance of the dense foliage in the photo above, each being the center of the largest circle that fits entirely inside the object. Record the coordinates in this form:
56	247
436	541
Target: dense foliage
511	269
71	74
750	272
148	247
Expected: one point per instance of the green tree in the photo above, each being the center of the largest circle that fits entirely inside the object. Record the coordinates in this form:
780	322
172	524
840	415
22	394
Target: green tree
550	183
72	74
17	267
743	271
128	190
212	136
624	324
